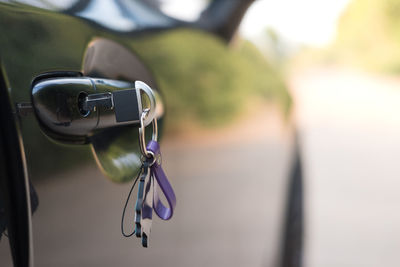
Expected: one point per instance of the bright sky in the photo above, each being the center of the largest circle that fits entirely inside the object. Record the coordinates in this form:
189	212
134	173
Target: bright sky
311	22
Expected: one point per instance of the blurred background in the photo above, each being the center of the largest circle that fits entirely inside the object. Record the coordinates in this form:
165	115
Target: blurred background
340	63
330	69
292	126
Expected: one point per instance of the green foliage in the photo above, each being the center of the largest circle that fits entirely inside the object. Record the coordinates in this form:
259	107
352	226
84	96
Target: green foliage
369	35
204	80
263	79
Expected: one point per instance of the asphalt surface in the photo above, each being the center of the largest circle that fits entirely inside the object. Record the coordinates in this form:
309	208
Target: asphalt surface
350	132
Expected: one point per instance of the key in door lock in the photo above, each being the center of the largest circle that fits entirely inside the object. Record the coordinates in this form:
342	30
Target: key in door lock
75	108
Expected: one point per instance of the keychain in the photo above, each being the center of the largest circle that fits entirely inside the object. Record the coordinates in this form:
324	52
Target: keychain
149	185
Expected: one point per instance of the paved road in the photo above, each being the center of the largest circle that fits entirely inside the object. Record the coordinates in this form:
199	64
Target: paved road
350	128
229	185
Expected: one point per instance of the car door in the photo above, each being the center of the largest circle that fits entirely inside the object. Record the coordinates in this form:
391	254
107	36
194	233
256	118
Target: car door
54	194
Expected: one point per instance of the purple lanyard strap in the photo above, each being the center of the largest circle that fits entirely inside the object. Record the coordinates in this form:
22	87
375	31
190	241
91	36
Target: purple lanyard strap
156	170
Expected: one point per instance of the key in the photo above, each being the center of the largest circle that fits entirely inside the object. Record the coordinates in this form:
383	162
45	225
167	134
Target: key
94	101
120	107
124	103
126	106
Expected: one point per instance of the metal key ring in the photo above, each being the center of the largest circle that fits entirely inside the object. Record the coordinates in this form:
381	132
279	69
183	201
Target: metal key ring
144	158
142	136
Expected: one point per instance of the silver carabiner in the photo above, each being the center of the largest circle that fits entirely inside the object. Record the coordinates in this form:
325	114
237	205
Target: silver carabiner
151	111
142	135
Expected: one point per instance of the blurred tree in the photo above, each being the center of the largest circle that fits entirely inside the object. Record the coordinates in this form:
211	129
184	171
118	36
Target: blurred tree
369	34
205	80
275	47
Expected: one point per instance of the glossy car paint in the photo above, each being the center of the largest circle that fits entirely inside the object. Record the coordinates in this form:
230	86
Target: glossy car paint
37	40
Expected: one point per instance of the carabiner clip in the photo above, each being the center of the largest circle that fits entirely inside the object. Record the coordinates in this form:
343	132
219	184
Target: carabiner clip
142	135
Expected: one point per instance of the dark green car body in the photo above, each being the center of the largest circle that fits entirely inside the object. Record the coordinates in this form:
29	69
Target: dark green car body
44	180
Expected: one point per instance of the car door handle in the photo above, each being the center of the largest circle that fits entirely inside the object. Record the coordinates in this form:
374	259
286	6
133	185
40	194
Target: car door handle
75	107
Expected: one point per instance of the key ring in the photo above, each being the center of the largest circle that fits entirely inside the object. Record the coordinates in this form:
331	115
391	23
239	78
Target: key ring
142	136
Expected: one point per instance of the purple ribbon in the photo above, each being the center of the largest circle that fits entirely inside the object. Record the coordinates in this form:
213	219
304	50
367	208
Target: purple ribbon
165	213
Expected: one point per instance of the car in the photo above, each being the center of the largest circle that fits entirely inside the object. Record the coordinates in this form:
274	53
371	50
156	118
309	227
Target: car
56	208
